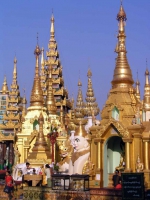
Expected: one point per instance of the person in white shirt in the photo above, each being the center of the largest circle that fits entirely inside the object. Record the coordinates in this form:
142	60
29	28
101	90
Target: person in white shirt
48	174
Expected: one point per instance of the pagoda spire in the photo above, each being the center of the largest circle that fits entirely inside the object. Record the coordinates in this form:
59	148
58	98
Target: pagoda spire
13	109
146	100
36	98
137	90
50	101
53	61
91	105
14	85
43	74
24	102
122	73
52	31
79	104
5	87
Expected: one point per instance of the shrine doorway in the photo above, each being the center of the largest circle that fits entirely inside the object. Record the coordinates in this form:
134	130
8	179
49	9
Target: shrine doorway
113	148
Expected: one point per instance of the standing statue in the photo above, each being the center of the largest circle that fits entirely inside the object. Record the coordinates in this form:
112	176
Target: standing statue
81	153
16	156
139	166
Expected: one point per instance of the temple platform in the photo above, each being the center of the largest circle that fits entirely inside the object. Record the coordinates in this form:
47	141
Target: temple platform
45	193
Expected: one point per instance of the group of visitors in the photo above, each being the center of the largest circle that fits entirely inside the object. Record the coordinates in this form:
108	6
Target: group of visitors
46	171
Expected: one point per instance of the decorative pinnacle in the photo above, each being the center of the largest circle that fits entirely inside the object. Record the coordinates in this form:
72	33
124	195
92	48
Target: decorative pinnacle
52	25
137	82
89	74
121	15
37	51
79	83
146	72
15	60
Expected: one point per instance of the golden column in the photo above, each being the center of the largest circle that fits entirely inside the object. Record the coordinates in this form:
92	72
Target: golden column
146	159
26	151
136	131
146	152
99	154
127	154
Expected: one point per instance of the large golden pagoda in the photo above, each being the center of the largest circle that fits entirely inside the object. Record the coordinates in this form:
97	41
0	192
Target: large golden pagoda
121	131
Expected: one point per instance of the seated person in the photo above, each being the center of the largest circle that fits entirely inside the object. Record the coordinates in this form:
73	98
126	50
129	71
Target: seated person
34	172
116	179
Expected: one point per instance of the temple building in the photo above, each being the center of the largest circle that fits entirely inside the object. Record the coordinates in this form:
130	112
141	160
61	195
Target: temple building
51	122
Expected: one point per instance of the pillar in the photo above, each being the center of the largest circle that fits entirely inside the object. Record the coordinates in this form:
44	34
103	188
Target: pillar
127	154
99	159
146	153
26	151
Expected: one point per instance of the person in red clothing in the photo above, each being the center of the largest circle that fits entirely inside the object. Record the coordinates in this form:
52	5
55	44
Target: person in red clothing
9	183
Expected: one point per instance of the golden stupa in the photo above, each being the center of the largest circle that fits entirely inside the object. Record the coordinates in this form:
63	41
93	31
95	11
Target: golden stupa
122	131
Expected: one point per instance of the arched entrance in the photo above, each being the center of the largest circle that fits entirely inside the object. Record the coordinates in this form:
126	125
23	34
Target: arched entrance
113	147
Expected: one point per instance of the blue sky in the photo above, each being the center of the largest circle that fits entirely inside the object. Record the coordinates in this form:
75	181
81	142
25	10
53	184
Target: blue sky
85	32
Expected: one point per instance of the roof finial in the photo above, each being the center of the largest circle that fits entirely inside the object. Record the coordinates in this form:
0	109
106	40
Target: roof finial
137	75
146	64
37	39
24	91
121	1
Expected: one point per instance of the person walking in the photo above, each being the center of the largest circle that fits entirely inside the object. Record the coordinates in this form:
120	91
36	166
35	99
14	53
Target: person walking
9	185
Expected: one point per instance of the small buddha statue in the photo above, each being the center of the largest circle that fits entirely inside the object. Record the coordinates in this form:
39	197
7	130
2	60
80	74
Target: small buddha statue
121	165
139	166
81	151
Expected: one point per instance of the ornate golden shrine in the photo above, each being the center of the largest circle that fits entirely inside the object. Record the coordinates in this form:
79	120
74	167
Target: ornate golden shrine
124	117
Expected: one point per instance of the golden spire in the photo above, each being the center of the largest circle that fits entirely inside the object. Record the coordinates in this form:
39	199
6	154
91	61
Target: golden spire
14	85
36	98
52	31
137	88
5	87
53	61
50	101
91	105
79	104
122	73
24	102
43	73
42	58
40	149
146	99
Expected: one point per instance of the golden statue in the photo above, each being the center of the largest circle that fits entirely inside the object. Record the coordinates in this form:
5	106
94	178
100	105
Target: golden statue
89	168
139	166
121	165
65	154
